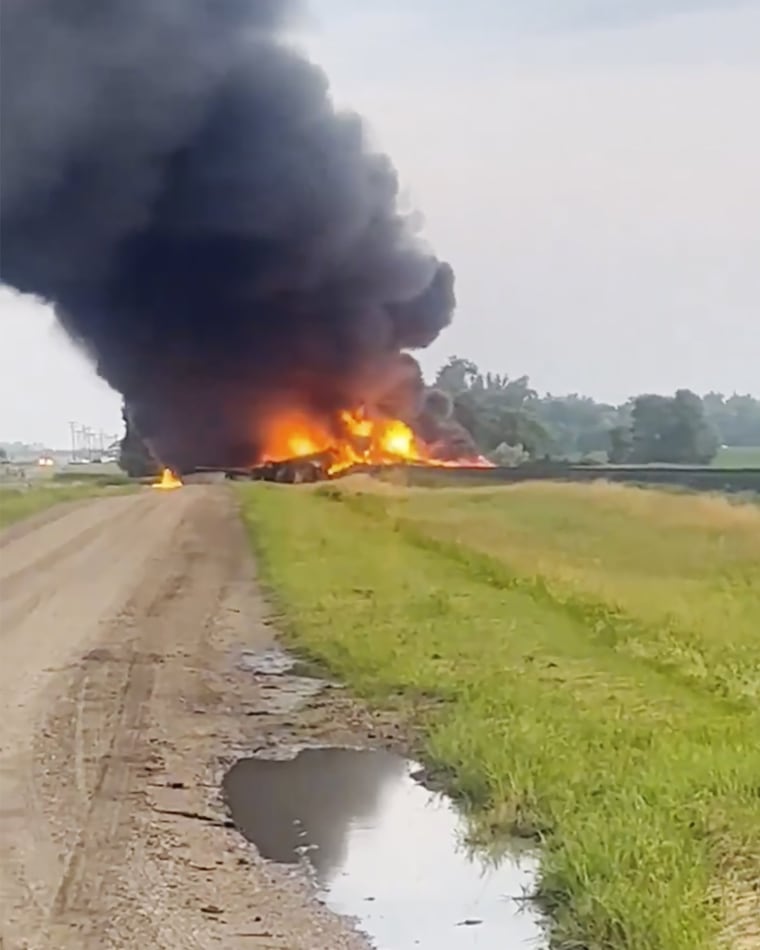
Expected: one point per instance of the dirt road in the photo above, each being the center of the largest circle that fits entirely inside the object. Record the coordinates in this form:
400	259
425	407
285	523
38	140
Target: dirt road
121	625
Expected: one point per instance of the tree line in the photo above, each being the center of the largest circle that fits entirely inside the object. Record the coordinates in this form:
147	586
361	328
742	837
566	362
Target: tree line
510	422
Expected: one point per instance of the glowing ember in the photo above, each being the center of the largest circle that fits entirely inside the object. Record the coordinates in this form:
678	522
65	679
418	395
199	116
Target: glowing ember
353	439
168	480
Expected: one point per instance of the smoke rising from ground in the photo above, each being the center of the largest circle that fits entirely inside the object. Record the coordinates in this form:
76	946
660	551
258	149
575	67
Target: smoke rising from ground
177	182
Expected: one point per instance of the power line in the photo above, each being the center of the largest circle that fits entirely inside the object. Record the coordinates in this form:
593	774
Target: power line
87	444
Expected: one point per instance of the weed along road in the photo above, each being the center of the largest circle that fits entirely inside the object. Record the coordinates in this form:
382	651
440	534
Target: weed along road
122	620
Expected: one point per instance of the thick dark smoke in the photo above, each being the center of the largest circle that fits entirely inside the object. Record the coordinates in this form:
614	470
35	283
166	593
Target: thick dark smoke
177	182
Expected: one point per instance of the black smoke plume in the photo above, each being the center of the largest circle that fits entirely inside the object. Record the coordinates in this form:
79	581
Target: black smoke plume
177	182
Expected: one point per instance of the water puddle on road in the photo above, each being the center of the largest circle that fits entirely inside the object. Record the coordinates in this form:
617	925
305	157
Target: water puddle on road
384	850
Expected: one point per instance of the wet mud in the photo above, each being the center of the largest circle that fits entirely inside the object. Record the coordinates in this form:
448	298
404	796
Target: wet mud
379	846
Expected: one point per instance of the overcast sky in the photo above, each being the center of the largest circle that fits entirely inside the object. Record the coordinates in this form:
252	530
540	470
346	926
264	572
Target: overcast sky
590	168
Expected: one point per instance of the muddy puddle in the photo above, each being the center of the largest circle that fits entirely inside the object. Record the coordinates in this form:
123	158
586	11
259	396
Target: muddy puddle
271	662
384	850
283	691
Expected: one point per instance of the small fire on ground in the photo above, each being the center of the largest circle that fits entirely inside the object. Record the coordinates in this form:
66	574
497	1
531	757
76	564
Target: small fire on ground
354	439
168	480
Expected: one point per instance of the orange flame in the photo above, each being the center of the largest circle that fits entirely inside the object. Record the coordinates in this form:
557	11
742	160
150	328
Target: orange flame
168	480
354	439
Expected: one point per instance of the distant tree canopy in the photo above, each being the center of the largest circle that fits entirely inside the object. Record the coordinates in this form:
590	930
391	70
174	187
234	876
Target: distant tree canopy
508	419
736	418
671	429
494	409
576	425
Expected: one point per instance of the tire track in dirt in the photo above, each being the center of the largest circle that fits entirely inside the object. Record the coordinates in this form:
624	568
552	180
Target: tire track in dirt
106	828
56	595
82	881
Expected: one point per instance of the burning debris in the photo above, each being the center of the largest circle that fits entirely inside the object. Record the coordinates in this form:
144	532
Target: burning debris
299	449
355	440
225	244
168	481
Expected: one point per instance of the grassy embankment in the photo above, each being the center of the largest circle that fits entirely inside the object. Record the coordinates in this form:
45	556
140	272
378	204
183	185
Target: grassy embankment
597	652
18	503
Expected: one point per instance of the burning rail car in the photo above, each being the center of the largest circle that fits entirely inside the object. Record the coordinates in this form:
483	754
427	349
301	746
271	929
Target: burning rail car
299	447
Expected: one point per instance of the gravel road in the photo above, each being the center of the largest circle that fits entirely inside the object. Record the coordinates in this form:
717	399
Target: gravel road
121	698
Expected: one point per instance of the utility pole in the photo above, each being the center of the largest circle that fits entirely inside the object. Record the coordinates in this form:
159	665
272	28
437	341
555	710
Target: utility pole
87	443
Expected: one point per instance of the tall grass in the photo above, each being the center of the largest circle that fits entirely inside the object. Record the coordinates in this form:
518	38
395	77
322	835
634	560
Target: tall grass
594	655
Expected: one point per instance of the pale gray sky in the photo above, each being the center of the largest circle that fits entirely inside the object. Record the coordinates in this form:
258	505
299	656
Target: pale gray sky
588	166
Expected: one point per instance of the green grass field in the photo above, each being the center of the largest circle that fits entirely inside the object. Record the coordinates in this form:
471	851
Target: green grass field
738	456
584	663
18	503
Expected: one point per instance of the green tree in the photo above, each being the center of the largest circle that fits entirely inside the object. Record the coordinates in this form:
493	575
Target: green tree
577	425
672	430
491	407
